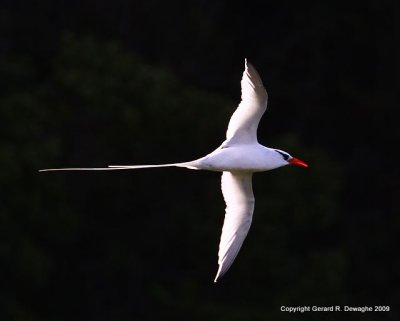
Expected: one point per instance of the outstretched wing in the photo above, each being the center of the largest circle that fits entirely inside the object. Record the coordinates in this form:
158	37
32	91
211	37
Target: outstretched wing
238	194
242	128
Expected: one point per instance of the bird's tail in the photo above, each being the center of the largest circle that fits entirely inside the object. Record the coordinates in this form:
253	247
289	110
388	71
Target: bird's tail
191	165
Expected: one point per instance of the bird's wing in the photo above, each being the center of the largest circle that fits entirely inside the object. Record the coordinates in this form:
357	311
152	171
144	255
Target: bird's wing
238	194
243	125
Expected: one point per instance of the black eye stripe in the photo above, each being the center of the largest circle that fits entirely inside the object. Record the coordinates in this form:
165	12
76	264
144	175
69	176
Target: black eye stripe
285	156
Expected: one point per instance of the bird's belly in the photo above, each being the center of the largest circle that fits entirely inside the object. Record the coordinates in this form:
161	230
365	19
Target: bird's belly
236	159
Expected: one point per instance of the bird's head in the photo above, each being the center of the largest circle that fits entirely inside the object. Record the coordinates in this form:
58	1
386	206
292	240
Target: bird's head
290	160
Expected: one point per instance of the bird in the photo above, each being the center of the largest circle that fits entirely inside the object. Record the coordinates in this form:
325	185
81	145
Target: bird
238	158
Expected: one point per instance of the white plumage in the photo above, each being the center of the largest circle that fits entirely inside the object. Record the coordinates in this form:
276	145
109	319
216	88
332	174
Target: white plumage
238	195
239	156
242	128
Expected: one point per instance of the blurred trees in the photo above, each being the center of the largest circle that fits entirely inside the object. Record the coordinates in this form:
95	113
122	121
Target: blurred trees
143	244
114	245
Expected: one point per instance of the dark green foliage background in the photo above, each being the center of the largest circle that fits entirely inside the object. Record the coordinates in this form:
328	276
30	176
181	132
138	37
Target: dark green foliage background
91	83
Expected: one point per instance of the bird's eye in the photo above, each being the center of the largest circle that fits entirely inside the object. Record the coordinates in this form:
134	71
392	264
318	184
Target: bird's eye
285	156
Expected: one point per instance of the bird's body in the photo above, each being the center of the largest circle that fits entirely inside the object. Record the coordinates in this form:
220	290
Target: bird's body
239	156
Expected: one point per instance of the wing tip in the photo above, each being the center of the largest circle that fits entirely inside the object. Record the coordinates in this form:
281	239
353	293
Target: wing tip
247	64
219	274
252	77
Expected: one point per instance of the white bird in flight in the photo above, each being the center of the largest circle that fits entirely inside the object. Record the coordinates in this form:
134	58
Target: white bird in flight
239	156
